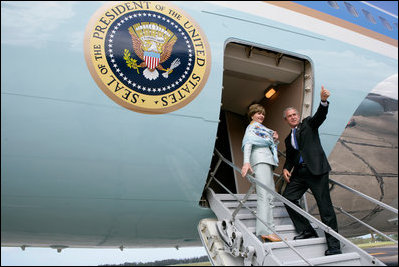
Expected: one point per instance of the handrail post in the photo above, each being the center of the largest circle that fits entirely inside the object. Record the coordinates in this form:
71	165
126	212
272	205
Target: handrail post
213	173
304	201
251	189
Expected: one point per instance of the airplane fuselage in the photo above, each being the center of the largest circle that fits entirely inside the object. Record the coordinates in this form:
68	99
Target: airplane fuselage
91	160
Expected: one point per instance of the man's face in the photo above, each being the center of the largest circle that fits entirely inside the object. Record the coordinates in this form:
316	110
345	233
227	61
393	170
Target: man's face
292	117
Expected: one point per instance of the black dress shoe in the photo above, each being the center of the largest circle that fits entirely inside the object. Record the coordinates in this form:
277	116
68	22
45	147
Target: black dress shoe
332	251
305	235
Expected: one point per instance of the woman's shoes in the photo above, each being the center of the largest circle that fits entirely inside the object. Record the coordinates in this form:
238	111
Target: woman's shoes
270	238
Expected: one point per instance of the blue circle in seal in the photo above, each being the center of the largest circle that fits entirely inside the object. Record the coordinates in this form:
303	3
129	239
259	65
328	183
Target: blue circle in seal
118	39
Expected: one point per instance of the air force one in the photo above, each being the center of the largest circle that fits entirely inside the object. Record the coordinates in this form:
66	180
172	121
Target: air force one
111	112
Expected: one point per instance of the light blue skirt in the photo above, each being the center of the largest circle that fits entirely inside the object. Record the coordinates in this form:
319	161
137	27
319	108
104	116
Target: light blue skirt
264	210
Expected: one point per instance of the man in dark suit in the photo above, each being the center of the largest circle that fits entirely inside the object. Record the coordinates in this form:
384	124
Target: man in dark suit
306	166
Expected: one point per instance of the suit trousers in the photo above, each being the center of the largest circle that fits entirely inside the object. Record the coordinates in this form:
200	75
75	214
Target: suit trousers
264	209
301	181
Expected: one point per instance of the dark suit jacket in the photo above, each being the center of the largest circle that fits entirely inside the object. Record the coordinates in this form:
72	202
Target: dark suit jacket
307	135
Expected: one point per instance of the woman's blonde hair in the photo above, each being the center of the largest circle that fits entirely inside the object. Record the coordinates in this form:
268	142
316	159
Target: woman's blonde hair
255	108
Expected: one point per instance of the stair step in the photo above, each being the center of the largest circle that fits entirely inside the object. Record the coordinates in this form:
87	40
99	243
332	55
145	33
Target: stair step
275	253
252	223
347	259
228	197
297	243
277	221
278	212
224	197
284	228
309	248
251	204
286	232
232	201
249	216
279	228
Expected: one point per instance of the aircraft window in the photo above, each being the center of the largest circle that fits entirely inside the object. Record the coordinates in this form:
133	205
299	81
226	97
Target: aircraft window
351	9
369	16
333	4
386	23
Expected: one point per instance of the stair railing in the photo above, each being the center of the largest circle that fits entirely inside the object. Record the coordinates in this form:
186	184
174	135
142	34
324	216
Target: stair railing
375	201
321	225
243	200
365	224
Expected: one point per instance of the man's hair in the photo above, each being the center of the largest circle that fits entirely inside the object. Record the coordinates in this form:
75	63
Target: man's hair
255	108
289	108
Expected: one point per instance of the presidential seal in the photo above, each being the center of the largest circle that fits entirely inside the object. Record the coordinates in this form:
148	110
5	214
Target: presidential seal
148	57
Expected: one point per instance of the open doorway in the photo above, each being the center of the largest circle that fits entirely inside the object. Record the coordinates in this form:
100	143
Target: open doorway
249	73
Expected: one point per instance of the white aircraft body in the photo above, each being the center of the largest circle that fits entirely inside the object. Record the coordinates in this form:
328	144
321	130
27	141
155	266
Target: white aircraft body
110	112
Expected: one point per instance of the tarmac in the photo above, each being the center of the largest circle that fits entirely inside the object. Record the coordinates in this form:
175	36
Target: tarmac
386	254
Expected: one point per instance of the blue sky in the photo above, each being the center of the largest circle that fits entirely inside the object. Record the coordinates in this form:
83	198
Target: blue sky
83	256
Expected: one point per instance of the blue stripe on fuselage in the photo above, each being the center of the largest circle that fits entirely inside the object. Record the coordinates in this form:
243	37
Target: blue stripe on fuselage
343	13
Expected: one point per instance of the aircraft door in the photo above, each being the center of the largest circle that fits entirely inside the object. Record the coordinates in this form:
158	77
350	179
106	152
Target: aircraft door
249	73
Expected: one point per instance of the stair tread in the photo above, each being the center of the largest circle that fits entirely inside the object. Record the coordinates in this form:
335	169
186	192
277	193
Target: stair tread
281	227
296	243
224	196
228	197
251	203
326	259
250	216
312	249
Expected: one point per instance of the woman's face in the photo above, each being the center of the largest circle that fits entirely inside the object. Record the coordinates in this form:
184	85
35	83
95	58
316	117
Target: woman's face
258	117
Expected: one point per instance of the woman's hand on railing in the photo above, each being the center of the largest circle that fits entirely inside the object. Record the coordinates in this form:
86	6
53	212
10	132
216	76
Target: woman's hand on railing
245	168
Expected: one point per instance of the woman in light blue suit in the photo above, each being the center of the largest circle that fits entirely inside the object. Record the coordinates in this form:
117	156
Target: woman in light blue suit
260	153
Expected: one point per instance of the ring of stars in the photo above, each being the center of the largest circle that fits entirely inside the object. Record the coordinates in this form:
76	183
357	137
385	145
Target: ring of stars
130	82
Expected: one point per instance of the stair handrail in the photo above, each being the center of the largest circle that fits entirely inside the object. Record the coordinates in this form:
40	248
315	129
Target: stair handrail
365	224
251	179
375	201
350	189
322	226
242	204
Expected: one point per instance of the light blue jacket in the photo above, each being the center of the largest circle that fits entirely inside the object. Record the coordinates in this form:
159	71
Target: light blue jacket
258	145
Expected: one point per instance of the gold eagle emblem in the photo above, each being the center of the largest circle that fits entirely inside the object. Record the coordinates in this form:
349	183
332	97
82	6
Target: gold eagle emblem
153	44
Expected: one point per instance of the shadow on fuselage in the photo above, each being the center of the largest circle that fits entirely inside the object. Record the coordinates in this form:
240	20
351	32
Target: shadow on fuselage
366	159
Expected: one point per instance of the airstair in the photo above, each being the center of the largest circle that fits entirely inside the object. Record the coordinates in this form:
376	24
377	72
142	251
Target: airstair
230	239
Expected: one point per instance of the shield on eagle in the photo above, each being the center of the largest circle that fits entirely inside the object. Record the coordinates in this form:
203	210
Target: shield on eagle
151	59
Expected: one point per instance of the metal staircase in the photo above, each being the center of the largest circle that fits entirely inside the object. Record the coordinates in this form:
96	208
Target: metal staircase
230	239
